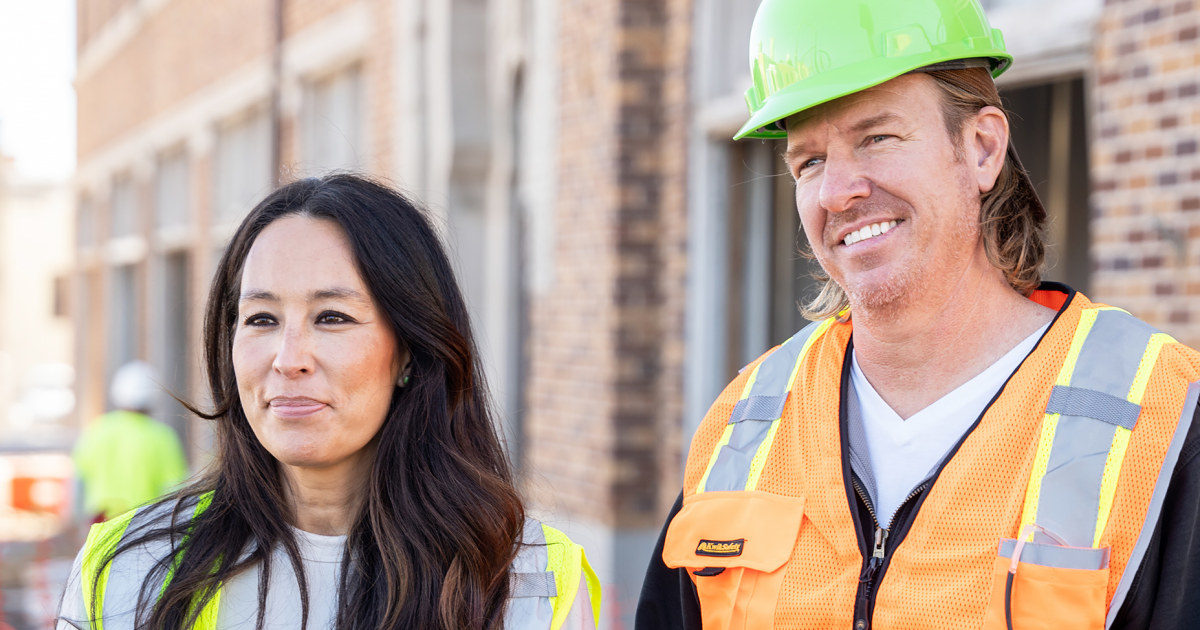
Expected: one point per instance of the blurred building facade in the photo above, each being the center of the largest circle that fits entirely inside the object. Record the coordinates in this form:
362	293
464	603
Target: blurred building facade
621	256
36	363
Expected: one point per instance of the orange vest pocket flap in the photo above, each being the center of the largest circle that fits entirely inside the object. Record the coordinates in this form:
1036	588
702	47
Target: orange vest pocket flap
755	530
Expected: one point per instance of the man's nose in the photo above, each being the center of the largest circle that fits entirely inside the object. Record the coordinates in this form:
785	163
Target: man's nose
842	183
294	355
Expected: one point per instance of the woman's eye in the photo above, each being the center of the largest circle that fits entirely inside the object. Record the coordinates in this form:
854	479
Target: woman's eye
333	317
259	319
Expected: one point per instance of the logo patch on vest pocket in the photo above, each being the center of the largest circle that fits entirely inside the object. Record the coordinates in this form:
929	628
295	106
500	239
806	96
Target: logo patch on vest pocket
720	548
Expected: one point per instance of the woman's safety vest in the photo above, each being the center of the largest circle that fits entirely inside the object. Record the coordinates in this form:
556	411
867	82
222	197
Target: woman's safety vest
1040	517
545	575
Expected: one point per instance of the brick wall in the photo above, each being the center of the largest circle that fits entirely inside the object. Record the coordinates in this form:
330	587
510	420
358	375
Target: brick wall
570	383
605	385
185	47
379	80
672	252
180	49
1146	162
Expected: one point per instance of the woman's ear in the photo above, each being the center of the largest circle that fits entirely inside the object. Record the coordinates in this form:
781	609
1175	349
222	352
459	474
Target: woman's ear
987	144
405	369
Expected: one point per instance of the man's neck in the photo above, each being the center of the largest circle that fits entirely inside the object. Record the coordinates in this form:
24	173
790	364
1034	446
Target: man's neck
917	352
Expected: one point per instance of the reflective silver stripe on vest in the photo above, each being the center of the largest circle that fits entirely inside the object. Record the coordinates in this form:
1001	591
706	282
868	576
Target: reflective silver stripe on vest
753	415
1191	401
531	583
1105	370
1073	401
535	584
1085	558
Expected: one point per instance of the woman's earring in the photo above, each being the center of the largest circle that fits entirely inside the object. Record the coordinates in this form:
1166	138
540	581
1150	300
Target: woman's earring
403	382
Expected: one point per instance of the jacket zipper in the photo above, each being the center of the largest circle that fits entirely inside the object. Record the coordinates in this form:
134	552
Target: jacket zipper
875	566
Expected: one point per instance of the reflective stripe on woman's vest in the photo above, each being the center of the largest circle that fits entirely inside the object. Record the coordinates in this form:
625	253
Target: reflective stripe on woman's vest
545	580
546	574
767	504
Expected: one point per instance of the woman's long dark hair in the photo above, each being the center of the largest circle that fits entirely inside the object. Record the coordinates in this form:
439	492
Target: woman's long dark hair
440	519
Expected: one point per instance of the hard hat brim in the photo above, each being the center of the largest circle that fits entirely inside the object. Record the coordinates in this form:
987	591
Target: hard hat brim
829	86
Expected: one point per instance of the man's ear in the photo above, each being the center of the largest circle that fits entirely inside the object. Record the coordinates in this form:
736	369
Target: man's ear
987	144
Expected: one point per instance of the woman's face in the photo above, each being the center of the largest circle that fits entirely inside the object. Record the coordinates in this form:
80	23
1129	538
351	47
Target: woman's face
315	360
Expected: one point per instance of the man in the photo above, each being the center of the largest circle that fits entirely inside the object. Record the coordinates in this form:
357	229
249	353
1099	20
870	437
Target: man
951	444
126	458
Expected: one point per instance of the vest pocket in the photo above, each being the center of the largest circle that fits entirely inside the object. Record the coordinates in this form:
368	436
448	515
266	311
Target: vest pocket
1054	587
735	545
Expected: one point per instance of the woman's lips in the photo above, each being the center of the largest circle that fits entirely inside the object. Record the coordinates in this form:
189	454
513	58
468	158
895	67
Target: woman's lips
295	407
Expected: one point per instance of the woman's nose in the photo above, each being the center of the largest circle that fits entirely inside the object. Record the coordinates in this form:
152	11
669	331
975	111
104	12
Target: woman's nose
294	355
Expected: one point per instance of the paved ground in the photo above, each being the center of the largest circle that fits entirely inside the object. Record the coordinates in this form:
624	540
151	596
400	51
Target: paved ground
32	576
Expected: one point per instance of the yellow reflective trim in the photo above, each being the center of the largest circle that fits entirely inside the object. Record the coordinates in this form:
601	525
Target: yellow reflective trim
760	456
102	540
712	460
751	381
1087	319
1033	491
593	585
1149	357
808	343
1108	484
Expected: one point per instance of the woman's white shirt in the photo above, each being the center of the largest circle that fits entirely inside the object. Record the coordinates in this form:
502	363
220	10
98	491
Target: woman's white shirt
322	559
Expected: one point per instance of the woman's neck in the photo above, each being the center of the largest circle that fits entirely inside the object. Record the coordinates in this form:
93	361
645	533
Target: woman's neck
327	500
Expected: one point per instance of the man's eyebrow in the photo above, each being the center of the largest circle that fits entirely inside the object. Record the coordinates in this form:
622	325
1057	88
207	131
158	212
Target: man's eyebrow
874	121
794	151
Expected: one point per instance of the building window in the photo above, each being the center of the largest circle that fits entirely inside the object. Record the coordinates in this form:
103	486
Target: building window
332	123
61	289
243	165
85	223
768	275
124	208
124	321
1049	129
171	193
171	352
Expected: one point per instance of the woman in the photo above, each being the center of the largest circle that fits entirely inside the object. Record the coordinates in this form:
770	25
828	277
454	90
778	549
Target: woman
358	480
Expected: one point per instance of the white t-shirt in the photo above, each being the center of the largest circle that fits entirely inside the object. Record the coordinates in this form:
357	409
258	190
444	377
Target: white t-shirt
322	556
903	453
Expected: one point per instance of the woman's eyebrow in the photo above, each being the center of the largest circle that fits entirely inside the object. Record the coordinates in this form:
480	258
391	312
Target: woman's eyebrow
333	293
258	295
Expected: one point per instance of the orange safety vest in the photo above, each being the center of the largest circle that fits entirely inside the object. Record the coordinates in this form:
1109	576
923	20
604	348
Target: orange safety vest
1066	470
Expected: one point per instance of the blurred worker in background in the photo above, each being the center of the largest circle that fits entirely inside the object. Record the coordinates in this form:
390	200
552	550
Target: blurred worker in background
126	458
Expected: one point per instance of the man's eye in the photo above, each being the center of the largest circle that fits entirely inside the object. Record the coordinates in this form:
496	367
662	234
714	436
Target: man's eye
876	139
809	163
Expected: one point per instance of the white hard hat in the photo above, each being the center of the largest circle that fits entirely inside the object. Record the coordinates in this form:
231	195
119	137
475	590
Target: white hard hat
134	386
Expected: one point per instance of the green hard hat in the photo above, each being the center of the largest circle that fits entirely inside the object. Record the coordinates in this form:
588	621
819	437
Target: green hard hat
806	52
